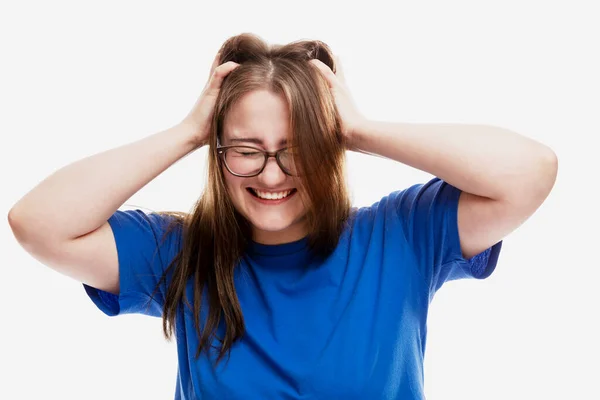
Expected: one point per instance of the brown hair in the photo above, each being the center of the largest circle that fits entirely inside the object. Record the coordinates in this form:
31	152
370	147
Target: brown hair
214	234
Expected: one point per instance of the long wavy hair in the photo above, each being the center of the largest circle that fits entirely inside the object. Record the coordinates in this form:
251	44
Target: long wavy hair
214	235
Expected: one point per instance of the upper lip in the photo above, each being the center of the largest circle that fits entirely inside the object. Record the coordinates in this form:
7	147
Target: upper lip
272	191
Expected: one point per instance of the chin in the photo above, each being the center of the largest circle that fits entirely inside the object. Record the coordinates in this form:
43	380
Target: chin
277	230
272	224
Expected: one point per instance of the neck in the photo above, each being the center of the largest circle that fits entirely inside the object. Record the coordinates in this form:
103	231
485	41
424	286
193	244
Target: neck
291	234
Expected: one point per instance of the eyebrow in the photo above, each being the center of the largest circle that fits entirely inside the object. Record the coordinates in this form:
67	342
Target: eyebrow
255	141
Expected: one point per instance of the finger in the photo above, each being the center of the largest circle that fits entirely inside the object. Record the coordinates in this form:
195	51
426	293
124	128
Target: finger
326	71
339	70
220	73
215	64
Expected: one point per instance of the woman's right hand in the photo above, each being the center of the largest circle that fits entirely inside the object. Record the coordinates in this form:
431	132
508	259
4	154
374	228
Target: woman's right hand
200	117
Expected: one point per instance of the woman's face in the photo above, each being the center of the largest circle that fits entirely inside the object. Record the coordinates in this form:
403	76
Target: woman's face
261	119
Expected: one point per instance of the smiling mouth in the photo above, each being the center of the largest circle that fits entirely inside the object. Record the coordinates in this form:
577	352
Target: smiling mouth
271	195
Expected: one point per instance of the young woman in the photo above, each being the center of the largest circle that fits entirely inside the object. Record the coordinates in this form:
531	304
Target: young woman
275	287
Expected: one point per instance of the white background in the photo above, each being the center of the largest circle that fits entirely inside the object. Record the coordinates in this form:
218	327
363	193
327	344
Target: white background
78	78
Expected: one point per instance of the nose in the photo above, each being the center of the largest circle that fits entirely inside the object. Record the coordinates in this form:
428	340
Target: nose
272	175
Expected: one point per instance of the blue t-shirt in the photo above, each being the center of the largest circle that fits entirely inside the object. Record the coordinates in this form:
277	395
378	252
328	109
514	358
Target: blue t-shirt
351	327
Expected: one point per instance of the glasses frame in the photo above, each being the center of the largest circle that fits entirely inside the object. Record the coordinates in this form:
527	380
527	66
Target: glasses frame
267	154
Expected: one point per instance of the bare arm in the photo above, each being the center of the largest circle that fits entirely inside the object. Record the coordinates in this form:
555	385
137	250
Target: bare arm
79	198
62	222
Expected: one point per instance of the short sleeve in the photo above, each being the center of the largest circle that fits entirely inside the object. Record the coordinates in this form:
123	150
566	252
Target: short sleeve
429	215
144	253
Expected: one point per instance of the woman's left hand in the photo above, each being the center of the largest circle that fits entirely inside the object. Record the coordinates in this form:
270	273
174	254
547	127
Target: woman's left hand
352	119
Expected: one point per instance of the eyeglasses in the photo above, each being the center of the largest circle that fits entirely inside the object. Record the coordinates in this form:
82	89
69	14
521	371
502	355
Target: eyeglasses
247	161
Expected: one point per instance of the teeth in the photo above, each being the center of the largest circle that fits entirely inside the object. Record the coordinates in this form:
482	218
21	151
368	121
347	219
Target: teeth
271	195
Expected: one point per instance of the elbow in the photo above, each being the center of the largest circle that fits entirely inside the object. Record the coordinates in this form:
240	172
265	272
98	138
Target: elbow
26	232
17	226
548	172
534	186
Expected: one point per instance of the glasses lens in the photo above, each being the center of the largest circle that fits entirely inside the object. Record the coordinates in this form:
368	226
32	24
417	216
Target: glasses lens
286	158
244	160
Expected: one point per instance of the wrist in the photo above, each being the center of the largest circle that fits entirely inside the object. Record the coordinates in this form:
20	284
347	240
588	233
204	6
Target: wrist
355	136
187	135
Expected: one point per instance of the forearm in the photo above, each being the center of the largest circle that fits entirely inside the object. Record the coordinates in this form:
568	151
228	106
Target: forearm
483	160
81	196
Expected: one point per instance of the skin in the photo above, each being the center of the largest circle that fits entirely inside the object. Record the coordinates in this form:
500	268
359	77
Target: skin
261	119
508	177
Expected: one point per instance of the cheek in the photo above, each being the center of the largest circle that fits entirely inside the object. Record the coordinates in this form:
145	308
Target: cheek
303	198
233	185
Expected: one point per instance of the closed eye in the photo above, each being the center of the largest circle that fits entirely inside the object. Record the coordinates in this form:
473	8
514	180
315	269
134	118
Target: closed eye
247	153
